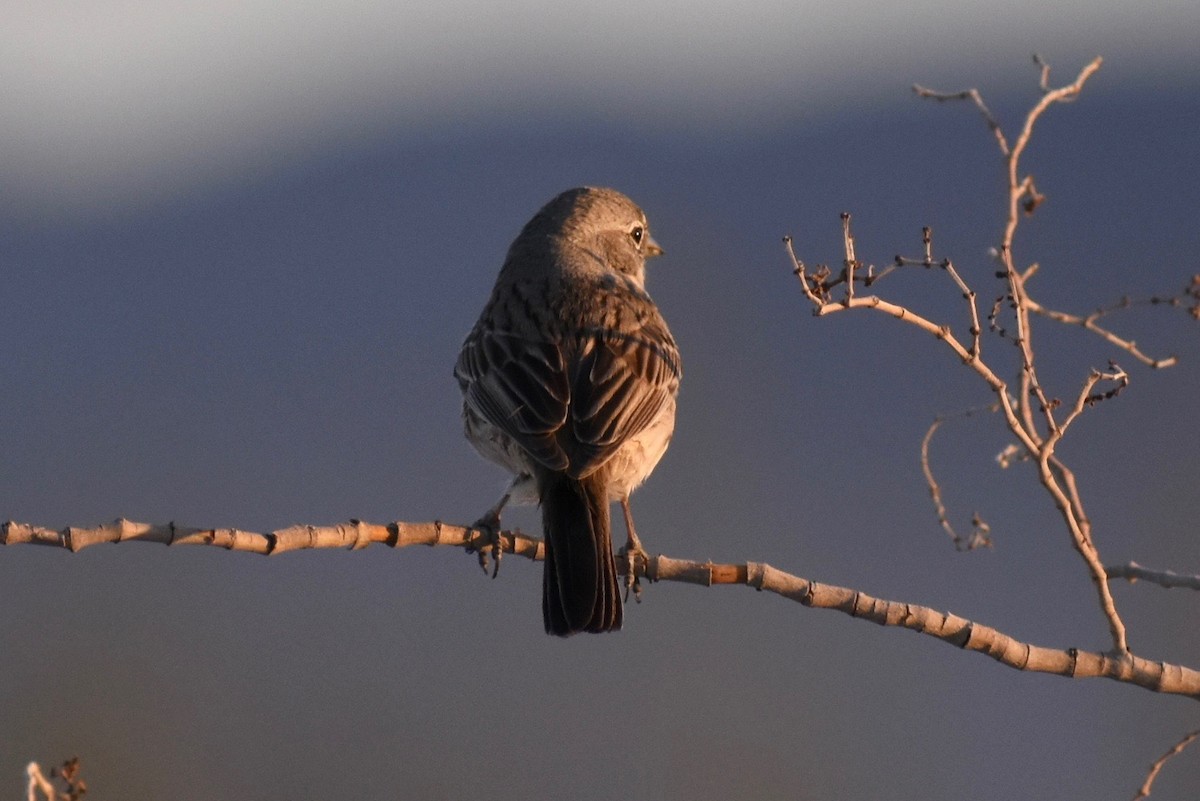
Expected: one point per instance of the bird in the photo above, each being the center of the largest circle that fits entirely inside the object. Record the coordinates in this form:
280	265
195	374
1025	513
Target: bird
569	380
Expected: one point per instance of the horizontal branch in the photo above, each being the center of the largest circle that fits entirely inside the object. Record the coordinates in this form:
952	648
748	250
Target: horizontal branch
1133	572
1089	323
352	535
960	632
947	627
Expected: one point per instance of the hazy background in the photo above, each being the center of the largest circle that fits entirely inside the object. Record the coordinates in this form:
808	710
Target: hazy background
240	244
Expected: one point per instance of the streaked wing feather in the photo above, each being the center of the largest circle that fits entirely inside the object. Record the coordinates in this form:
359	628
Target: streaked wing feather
518	386
621	385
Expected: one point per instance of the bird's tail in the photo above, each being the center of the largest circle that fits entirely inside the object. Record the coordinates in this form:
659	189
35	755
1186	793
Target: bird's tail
580	591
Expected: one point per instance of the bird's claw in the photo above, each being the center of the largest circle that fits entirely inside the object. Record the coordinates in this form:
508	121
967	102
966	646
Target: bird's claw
490	542
635	556
636	559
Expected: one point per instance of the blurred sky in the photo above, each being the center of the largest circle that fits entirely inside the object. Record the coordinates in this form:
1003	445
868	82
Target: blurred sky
240	244
121	100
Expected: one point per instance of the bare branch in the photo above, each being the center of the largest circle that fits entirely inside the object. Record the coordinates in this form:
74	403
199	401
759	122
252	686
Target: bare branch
981	531
1088	398
1023	197
67	772
1050	472
800	271
945	626
1050	97
817	289
1162	760
1019	188
1017	415
969	296
1089	322
352	535
1044	81
976	98
1133	572
851	260
935	491
948	266
1054	474
1123	667
38	783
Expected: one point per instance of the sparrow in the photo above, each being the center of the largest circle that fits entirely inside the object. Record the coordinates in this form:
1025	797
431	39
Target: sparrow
569	380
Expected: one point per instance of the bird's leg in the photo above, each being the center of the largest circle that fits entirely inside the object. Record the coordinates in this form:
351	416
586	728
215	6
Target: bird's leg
634	554
489	526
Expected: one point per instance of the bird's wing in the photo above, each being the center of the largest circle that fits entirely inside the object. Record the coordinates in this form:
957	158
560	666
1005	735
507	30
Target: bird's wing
519	386
620	384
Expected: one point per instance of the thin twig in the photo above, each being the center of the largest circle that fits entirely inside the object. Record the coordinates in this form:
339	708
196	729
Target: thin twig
851	260
800	271
816	290
974	96
948	267
1088	398
1044	81
38	783
68	772
1162	760
935	491
1089	323
980	535
969	296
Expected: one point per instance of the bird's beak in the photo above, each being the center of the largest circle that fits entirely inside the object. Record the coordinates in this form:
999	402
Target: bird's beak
651	248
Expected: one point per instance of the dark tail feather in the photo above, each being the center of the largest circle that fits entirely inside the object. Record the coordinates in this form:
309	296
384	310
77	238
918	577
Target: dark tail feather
580	591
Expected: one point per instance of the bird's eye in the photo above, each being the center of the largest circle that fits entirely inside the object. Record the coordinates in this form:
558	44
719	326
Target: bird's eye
637	233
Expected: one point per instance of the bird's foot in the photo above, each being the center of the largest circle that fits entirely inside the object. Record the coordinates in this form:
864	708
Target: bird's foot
489	542
635	556
635	559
